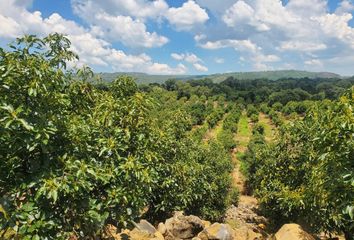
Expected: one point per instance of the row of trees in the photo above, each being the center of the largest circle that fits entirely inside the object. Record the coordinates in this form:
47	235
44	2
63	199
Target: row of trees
77	156
260	90
307	176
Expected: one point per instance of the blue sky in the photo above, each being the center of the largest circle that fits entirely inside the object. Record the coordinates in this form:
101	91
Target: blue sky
193	37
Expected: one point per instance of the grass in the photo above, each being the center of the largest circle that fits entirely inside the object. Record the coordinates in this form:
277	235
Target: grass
244	132
269	128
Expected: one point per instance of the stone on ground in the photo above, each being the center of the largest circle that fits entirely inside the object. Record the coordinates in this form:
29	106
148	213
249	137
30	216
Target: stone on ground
217	231
292	232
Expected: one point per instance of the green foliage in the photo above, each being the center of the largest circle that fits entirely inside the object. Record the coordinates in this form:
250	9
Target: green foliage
264	108
215	117
76	156
226	138
297	107
277	106
307	175
249	159
251	110
254	118
258	129
275	117
231	120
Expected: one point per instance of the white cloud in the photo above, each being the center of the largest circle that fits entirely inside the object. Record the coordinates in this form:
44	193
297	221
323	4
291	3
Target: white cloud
302	46
128	31
265	58
334	26
9	27
123	21
314	62
219	60
199	37
188	57
264	32
345	7
240	45
200	67
186	17
135	8
92	50
192	59
177	56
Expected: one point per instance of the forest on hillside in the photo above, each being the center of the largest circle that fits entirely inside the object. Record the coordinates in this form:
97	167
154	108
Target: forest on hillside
78	154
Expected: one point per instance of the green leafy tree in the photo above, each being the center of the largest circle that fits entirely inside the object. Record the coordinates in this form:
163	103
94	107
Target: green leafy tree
307	175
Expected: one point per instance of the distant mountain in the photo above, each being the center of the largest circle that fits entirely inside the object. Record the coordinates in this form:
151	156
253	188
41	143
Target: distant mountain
143	78
273	75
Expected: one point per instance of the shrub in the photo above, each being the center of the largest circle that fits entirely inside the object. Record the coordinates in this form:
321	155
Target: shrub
254	118
307	175
76	157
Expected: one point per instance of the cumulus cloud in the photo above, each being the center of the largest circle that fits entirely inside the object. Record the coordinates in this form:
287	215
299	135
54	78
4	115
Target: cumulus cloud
177	56
136	8
122	21
93	51
186	17
126	30
192	59
293	32
345	7
188	57
200	67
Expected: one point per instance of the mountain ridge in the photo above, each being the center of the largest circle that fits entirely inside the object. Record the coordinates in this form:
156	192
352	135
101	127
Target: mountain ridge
144	78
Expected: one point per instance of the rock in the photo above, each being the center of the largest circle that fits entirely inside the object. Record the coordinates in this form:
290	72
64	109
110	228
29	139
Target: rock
217	231
145	226
162	228
110	232
142	231
247	233
183	227
292	232
206	224
137	234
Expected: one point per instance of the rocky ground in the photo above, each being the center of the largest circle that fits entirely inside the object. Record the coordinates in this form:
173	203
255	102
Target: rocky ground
243	224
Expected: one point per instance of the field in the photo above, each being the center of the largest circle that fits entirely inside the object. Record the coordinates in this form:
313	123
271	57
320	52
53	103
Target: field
79	157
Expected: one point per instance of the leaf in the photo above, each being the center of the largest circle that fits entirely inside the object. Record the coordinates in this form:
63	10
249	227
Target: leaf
55	195
2	210
25	124
36	237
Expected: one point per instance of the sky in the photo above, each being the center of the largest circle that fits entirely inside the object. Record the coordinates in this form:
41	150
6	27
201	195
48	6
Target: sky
193	36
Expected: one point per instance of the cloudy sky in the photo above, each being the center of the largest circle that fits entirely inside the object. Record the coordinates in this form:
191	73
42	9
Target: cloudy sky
193	37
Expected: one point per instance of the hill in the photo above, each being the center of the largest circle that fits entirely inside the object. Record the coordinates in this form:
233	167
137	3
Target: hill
143	78
273	75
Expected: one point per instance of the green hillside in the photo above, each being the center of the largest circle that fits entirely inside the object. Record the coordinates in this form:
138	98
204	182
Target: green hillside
273	75
142	78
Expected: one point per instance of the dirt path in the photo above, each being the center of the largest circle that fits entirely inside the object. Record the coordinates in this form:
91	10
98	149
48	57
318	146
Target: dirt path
244	217
242	137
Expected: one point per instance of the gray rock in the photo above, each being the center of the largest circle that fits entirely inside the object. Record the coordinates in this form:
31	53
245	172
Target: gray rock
217	231
145	226
183	227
